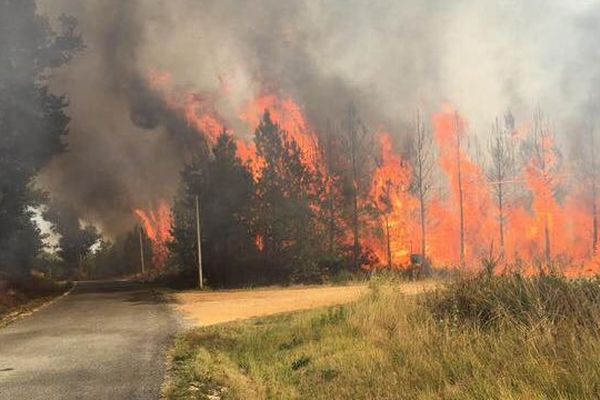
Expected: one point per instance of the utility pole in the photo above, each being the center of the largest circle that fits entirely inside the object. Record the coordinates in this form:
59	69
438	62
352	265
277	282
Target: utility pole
140	231
199	243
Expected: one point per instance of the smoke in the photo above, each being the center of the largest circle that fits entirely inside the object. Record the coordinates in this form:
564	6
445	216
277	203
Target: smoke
387	57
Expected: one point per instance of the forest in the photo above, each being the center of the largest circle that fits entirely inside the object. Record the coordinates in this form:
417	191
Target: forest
282	196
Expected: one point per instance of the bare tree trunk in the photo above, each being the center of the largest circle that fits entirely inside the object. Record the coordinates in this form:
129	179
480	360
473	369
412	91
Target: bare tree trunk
501	216
540	135
421	183
330	195
594	220
460	192
500	173
388	244
547	239
594	201
355	217
423	218
142	264
424	164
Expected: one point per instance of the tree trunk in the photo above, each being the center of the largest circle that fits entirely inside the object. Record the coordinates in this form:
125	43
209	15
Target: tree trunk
594	202
355	218
460	193
330	197
501	216
388	244
547	239
594	220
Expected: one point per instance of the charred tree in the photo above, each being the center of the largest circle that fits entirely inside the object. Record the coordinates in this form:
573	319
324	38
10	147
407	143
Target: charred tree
330	189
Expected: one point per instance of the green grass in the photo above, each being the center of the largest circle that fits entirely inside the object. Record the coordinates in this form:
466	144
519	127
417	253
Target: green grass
485	338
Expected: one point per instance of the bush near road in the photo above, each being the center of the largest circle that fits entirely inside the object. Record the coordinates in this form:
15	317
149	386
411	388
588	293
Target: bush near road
22	295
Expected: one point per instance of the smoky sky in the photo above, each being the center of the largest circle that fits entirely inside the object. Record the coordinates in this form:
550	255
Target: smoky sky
387	57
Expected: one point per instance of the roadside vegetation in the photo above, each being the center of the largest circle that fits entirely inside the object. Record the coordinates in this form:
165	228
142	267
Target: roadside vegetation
20	296
485	337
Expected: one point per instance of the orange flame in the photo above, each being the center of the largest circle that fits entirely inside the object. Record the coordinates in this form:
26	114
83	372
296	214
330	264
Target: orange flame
290	117
539	213
157	225
451	133
391	196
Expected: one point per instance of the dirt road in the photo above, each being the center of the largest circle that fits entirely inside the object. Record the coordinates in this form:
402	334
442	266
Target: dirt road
209	308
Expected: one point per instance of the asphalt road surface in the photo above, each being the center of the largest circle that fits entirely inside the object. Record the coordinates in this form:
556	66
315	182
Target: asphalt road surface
105	340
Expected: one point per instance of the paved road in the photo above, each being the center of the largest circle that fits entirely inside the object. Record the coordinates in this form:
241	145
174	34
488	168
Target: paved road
105	340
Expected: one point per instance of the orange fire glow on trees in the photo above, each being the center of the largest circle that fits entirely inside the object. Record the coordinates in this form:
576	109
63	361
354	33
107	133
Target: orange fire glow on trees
396	206
157	226
545	219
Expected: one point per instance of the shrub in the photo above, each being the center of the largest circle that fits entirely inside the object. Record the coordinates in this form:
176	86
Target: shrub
487	301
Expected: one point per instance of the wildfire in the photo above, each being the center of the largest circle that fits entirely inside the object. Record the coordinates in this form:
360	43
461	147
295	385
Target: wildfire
390	193
463	217
247	153
157	225
200	113
288	114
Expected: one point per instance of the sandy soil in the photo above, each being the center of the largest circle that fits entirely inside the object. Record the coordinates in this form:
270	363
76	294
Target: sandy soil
210	308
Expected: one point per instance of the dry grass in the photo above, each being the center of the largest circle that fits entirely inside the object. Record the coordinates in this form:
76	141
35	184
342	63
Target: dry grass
387	346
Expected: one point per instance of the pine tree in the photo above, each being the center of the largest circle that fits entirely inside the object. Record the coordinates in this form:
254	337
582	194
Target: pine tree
32	120
75	240
225	190
285	193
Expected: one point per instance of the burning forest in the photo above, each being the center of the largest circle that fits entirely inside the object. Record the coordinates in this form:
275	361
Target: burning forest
412	185
516	198
308	150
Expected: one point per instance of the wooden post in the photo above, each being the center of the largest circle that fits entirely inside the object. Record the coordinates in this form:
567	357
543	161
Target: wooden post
140	231
199	243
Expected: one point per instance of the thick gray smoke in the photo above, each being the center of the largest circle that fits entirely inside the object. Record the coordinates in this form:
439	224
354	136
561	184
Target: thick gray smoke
388	57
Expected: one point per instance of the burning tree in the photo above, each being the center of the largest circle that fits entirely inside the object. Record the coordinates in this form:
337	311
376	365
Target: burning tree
390	191
584	152
285	204
423	165
357	142
465	214
544	177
